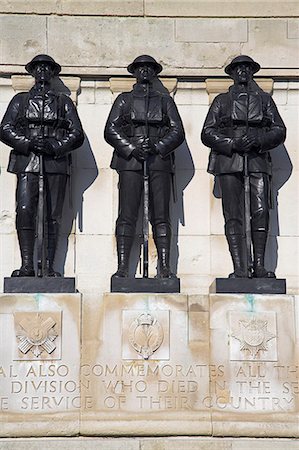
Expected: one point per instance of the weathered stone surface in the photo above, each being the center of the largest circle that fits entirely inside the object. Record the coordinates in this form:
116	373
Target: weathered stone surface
202	8
157	443
267	39
70	7
259	380
40	364
207	30
126	386
293	29
21	38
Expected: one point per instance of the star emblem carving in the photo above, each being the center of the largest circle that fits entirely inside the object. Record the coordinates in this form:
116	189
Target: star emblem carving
253	336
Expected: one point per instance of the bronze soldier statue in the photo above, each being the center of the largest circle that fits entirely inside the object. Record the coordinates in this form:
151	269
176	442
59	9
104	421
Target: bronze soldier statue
241	128
42	127
145	128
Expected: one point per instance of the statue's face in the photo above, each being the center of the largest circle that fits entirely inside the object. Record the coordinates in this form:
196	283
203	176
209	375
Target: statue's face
145	73
242	73
43	72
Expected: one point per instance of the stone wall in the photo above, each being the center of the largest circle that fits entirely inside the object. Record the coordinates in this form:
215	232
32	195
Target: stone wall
194	40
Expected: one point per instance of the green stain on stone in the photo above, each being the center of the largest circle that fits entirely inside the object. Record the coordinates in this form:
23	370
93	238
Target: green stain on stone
250	300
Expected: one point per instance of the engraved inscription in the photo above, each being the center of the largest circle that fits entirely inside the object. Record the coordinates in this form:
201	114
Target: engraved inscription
145	334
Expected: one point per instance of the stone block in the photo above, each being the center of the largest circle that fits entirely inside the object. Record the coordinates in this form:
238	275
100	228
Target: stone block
288	256
293	29
40	364
193	206
288	215
22	38
7	212
96	152
186	444
10	257
92	255
267	39
191	93
234	8
7	92
194	256
103	93
289	114
211	30
96	36
102	7
157	382
97	198
192	154
280	95
258	367
221	264
70	7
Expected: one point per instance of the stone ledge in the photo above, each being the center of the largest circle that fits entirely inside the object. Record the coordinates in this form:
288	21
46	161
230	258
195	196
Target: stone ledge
172	443
168	72
73	7
206	8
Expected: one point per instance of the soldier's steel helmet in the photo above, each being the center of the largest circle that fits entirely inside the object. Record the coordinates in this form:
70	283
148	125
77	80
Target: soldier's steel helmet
242	59
43	58
144	59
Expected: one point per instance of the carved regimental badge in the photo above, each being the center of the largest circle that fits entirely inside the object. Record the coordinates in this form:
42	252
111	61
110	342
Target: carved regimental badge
145	334
36	333
253	336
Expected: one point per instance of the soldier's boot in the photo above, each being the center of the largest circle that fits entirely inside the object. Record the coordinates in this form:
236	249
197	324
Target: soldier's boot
163	250
53	232
26	242
52	244
236	248
124	245
259	239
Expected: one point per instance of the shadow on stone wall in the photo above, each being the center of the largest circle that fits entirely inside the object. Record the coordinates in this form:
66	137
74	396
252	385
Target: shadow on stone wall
84	171
281	171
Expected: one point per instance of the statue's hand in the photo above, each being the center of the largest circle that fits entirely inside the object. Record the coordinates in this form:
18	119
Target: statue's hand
255	141
41	146
140	154
243	144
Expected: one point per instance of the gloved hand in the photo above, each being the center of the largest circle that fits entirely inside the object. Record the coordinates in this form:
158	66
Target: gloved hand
140	154
149	147
245	143
41	146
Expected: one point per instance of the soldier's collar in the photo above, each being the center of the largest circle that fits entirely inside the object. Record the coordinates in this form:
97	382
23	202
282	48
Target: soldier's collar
140	91
38	91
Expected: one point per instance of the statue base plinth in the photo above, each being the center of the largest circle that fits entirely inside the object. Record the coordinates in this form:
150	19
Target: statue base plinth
159	285
248	286
29	285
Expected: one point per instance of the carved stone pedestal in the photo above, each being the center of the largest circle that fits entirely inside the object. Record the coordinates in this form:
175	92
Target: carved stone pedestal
151	365
39	364
148	369
171	364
